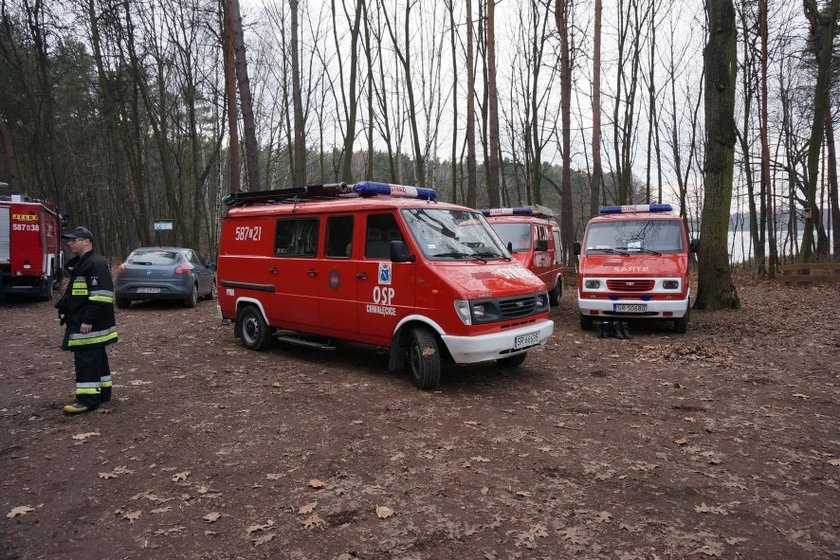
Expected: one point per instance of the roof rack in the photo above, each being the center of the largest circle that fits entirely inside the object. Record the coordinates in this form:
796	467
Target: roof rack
328	191
535	210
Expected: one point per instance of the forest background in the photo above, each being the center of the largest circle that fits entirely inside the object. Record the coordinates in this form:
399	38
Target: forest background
119	111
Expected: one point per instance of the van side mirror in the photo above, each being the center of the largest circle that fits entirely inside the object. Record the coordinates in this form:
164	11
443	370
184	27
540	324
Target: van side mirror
542	244
510	247
399	252
576	247
695	246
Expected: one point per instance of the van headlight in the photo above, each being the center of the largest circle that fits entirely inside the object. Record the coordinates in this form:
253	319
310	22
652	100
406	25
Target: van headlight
670	284
541	302
462	308
592	284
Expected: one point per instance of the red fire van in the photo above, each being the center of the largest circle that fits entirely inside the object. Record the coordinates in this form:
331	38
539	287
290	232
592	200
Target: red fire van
379	264
532	235
634	265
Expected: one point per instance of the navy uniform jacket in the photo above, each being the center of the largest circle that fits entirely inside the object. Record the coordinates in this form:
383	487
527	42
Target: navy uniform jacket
89	298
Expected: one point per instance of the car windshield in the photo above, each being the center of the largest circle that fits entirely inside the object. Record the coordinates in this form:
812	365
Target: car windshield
445	234
635	236
153	257
517	237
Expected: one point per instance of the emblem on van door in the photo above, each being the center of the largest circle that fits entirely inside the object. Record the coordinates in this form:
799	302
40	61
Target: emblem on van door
384	275
334	280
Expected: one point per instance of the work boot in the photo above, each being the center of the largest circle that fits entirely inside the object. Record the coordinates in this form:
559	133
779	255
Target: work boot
105	394
76	408
619	333
602	329
625	328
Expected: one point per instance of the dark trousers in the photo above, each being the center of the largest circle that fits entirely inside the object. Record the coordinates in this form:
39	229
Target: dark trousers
93	376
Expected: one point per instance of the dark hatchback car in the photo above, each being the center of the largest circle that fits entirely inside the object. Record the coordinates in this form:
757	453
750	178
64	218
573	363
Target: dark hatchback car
173	273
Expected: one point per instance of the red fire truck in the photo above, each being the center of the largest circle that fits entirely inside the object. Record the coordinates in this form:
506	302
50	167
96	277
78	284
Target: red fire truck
380	264
31	258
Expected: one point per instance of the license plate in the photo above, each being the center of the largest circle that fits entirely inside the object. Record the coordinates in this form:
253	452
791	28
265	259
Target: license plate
629	307
148	290
524	340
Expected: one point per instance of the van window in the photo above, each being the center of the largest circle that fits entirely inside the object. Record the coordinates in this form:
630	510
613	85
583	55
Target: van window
339	237
516	236
646	236
296	237
381	229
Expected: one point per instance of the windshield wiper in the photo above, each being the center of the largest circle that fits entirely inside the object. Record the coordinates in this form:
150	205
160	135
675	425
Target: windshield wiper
461	255
491	255
609	250
641	250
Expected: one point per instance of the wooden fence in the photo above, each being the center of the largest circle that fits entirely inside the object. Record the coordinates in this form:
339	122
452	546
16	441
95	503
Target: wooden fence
809	272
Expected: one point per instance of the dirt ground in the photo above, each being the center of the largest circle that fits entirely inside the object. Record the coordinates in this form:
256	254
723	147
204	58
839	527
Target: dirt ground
721	443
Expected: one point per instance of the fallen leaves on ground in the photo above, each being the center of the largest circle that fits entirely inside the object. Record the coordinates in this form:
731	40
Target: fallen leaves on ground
383	512
19	510
84	436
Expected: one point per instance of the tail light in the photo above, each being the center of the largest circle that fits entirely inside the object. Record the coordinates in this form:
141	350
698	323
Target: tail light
121	269
183	269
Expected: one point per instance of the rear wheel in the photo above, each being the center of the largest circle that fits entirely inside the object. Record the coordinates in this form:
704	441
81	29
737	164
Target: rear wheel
586	323
424	358
122	303
192	300
253	330
47	289
512	361
555	293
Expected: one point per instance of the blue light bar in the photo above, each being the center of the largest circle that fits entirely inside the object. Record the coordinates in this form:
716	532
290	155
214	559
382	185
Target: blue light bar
519	211
371	188
636	208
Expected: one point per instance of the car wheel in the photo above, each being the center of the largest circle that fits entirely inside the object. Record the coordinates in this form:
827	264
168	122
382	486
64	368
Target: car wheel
122	303
586	323
253	330
512	361
192	300
424	358
555	293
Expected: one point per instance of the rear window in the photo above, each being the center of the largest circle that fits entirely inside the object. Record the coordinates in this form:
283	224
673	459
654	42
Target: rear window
153	257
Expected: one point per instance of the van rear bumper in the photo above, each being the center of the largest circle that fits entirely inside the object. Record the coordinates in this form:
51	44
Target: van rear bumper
655	308
472	349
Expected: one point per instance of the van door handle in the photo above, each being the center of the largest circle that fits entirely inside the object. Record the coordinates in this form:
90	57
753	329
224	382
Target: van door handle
362	275
273	270
312	272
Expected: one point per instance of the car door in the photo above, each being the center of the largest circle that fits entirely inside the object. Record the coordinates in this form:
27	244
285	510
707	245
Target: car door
204	275
295	272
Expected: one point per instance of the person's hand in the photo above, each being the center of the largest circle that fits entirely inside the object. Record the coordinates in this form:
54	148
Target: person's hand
85	328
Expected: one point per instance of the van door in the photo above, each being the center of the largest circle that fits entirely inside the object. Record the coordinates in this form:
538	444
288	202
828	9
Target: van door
337	284
296	274
541	264
385	290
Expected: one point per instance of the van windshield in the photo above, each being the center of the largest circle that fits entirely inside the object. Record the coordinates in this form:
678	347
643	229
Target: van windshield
445	234
635	236
515	236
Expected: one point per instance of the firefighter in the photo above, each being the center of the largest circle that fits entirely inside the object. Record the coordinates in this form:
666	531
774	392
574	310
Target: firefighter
87	309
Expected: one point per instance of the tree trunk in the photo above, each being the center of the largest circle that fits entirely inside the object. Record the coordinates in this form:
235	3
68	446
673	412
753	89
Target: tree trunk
597	171
472	179
251	145
492	108
299	175
234	178
822	36
766	188
715	287
567	228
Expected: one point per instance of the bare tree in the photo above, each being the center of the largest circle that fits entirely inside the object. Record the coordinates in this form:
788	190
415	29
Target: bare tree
562	12
597	171
299	165
251	146
472	180
493	194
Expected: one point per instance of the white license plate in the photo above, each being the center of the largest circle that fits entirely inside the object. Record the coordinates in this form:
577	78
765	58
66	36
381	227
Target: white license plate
629	307
148	290
524	340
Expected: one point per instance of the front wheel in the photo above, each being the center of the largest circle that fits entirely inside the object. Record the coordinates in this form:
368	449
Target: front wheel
681	324
252	328
122	303
424	359
555	293
512	361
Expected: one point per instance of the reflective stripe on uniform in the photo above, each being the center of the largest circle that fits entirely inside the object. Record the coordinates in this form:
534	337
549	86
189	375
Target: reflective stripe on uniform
105	381
95	337
87	388
104	296
79	287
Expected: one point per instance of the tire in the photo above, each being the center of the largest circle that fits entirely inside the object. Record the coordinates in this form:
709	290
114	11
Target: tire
512	361
555	293
252	328
424	359
192	300
122	303
47	289
681	324
586	323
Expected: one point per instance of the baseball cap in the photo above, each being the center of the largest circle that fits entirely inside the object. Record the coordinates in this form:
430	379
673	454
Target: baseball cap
80	232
